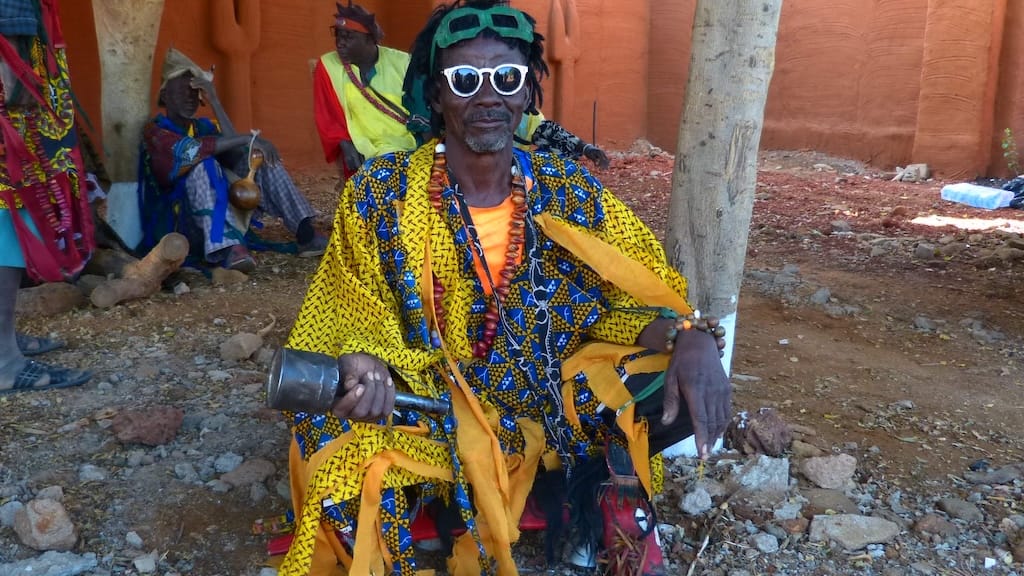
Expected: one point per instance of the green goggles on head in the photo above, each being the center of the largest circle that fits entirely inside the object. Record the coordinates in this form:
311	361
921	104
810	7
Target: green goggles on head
467	23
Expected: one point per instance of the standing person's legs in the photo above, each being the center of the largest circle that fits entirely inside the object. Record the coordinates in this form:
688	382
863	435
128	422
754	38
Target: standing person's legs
11	359
17	373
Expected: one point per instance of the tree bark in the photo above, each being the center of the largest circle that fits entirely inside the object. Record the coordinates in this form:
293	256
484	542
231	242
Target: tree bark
127	32
731	63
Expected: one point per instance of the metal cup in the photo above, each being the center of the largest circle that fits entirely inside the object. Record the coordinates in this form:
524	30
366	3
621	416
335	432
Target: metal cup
301	381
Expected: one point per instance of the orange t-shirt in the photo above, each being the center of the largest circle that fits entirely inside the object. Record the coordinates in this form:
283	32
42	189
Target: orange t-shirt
492	228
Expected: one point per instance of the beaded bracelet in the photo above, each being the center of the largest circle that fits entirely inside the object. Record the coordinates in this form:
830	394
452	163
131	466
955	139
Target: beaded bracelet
692	321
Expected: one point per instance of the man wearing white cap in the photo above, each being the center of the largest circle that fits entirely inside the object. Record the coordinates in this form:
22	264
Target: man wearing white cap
184	178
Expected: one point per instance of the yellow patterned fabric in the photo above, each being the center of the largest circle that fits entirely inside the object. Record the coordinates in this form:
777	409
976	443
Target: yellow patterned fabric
564	343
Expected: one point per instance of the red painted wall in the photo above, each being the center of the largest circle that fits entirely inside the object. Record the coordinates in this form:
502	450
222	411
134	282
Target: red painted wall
888	82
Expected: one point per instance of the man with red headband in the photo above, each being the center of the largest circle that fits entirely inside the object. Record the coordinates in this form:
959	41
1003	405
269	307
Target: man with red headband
357	92
361	111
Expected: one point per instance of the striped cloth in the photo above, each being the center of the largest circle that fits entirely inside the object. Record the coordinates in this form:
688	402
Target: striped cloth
19	17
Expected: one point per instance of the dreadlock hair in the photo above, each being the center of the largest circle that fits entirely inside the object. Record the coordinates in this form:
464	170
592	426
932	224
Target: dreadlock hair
359	14
420	66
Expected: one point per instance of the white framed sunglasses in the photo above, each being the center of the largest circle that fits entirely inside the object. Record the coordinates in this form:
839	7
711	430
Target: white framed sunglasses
506	79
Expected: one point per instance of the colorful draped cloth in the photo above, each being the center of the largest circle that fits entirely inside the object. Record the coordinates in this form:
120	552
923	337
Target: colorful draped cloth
564	343
41	169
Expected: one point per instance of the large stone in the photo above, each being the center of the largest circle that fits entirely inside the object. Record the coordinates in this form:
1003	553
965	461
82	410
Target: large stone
830	471
961	510
249	472
821	501
49	299
45	525
696	502
765	474
934	524
851	531
152	426
803	449
8	511
1004	475
240	346
53	563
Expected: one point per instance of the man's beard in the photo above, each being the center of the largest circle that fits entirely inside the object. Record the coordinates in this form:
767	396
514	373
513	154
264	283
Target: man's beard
493	141
490	142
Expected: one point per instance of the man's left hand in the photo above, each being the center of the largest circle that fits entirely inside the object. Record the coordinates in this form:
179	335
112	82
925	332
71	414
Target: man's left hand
695	374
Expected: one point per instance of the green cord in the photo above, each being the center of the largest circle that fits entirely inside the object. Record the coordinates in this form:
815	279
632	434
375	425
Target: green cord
651	388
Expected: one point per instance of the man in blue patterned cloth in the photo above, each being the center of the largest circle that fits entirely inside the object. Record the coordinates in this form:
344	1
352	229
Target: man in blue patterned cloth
513	286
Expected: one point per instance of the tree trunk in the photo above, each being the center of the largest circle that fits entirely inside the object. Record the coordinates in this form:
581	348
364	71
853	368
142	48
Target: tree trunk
127	32
731	63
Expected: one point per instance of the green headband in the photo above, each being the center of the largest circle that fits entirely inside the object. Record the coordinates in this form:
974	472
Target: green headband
466	23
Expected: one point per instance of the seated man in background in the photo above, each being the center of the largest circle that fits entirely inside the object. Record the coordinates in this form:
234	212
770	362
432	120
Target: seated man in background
188	163
357	93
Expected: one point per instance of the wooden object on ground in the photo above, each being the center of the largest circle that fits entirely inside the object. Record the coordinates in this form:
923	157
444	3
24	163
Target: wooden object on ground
143	277
48	299
107	262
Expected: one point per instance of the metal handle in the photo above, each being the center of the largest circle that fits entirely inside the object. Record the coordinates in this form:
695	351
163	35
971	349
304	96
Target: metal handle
410	401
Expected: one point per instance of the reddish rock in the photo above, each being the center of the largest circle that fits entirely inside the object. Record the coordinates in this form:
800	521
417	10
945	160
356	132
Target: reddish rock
249	472
1018	551
44	525
795	526
150	426
763	432
933	524
830	472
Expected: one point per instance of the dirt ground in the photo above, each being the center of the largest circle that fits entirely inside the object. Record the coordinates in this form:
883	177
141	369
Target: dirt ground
894	340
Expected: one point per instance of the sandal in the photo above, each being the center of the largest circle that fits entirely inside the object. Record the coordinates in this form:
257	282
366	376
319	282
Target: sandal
34	345
60	377
240	259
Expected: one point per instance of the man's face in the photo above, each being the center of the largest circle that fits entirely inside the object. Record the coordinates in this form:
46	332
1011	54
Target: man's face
485	121
353	46
180	97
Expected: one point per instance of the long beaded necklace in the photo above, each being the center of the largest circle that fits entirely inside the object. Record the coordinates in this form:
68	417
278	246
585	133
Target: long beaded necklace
439	182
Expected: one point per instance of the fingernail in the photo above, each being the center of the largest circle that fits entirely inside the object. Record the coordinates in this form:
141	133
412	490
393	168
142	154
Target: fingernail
359	390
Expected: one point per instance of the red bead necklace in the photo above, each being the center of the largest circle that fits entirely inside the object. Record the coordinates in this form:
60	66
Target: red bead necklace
517	226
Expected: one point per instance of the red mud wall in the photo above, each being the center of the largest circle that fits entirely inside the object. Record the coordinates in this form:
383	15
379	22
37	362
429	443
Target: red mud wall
889	82
847	78
671	33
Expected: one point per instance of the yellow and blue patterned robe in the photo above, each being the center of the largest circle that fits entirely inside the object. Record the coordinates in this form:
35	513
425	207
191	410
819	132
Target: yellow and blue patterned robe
368	296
